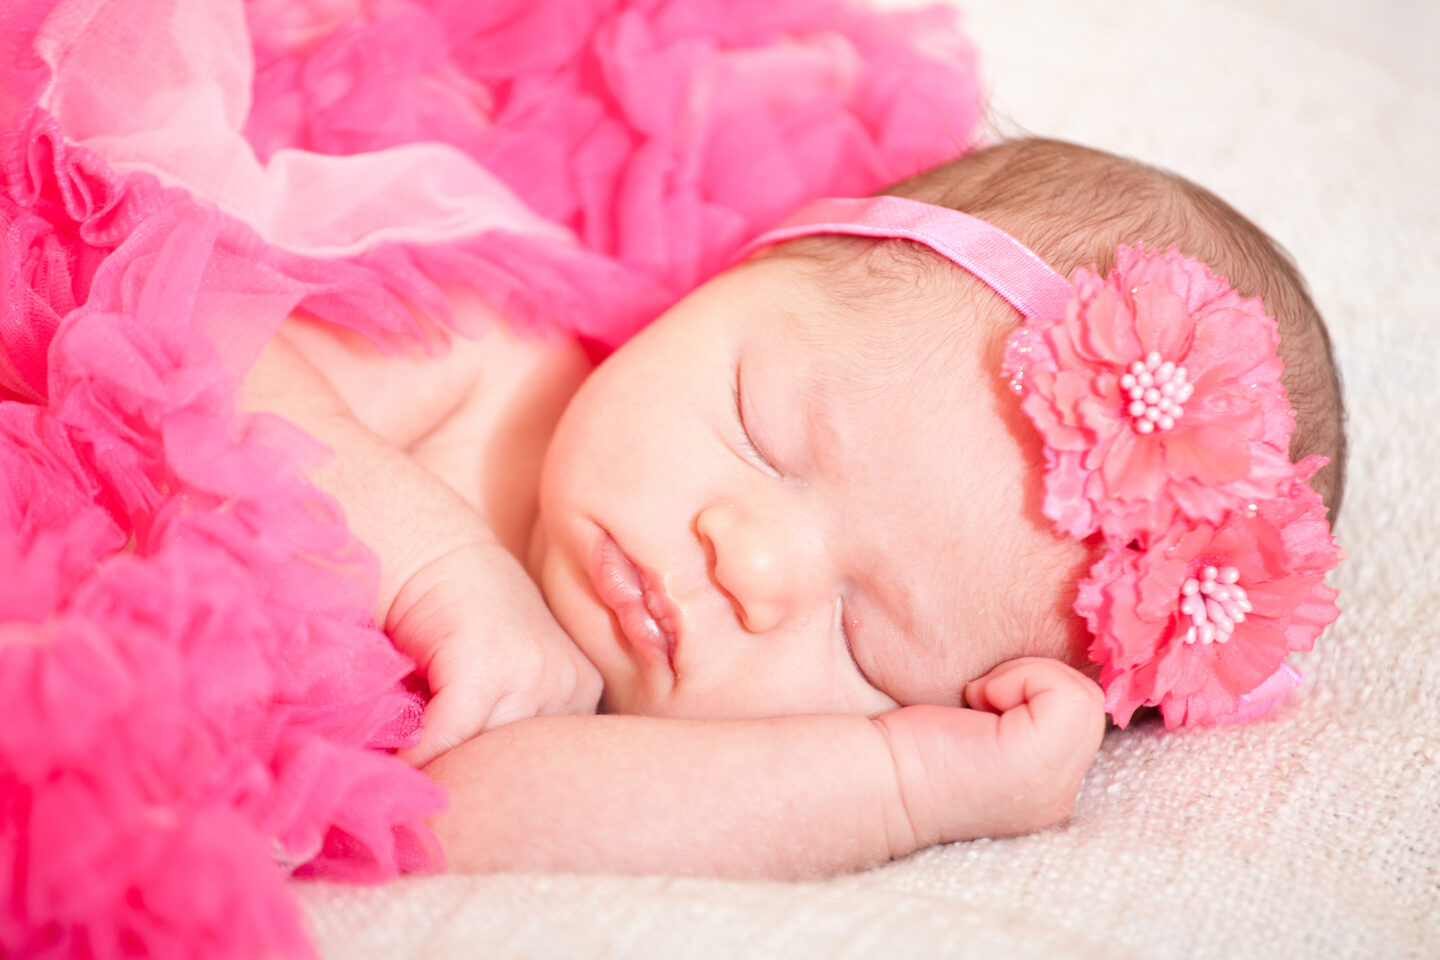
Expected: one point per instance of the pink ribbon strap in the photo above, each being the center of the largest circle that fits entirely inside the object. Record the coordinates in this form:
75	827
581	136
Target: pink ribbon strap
1006	265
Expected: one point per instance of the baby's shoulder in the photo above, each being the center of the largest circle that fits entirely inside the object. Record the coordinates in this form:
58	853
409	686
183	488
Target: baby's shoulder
407	394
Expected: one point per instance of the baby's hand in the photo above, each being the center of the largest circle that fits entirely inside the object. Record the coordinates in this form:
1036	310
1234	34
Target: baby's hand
450	596
477	628
1009	765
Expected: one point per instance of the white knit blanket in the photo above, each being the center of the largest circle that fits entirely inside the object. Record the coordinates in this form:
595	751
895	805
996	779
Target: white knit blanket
1314	833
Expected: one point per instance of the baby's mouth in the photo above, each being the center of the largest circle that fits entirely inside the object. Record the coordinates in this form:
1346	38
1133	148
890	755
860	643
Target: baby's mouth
645	614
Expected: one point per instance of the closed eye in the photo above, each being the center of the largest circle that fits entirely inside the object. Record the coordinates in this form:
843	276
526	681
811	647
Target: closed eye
746	440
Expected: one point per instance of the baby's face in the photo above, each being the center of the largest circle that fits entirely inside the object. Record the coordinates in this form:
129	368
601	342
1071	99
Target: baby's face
769	503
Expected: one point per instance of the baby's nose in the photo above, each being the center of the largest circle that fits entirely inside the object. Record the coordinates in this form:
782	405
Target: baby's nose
770	566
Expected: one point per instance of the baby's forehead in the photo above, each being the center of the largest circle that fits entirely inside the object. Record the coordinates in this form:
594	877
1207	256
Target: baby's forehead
867	323
896	351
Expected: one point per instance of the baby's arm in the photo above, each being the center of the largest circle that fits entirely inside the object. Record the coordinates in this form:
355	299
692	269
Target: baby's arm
451	596
786	797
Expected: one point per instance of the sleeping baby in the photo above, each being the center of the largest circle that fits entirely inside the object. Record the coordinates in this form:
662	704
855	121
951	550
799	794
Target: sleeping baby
851	551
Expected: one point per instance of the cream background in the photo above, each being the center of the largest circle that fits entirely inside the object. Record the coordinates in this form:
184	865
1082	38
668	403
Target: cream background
1311	834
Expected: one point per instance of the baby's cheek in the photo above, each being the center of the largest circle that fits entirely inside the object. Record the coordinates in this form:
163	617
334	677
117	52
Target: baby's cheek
920	674
915	672
1034	614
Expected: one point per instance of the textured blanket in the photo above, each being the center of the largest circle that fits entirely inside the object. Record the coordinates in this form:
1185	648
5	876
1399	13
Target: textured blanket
1312	833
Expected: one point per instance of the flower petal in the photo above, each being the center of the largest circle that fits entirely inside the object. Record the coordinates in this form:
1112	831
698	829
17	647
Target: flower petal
1107	326
1065	502
1161	321
1234	343
1211	454
1259	701
1132	468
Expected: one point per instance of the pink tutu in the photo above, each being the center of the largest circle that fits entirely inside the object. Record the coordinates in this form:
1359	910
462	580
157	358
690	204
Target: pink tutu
196	689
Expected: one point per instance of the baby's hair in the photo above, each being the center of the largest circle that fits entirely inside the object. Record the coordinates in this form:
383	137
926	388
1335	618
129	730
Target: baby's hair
1073	206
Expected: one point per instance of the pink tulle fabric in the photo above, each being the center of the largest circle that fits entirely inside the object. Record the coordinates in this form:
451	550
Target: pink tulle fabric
198	700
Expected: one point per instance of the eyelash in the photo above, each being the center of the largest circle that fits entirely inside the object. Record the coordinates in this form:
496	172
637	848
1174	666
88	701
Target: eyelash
747	441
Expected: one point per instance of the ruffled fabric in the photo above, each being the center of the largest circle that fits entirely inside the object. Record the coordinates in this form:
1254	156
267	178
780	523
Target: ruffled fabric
198	702
667	132
584	163
193	683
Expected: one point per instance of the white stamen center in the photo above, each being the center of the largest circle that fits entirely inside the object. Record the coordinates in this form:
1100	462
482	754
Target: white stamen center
1156	390
1215	603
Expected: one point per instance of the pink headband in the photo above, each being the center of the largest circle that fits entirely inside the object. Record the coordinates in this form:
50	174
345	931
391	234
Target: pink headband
1156	392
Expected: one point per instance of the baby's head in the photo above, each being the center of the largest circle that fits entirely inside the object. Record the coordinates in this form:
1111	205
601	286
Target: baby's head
808	487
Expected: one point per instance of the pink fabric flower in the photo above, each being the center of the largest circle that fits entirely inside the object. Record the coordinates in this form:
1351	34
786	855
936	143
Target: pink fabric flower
1275	558
1158	396
1167	431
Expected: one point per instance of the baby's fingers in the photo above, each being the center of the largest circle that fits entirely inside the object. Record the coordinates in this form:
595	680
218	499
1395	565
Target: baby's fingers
451	718
1049	689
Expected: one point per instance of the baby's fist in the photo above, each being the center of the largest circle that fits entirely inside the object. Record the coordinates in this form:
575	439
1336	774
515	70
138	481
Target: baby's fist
478	629
1010	764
